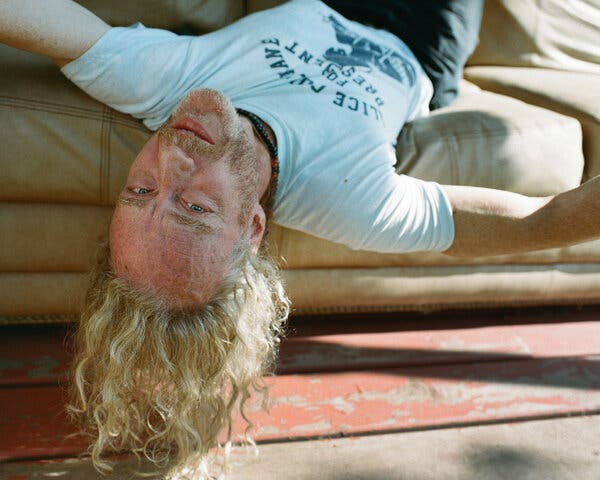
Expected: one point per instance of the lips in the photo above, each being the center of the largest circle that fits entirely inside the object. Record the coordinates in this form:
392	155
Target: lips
195	127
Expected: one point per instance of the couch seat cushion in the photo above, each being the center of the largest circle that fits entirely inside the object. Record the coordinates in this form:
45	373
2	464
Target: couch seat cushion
50	237
555	34
299	250
570	93
56	296
63	238
58	144
494	141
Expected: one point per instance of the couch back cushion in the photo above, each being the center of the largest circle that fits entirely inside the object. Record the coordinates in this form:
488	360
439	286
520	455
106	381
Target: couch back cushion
561	34
201	15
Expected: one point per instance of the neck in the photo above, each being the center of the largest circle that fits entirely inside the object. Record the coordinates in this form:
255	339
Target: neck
263	158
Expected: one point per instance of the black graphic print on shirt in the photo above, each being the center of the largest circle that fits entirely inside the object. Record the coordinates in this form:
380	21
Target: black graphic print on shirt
339	67
365	53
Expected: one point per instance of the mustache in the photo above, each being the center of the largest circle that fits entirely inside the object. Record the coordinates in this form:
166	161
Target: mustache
191	145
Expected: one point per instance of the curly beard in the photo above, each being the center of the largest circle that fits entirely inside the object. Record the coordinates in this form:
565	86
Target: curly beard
164	384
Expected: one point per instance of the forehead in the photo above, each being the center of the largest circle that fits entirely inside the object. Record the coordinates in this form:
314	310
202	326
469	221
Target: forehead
173	260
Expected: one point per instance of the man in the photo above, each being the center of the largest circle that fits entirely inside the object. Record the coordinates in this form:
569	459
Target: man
185	309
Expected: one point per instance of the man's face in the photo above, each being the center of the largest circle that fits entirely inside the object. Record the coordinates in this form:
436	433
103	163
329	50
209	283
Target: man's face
191	197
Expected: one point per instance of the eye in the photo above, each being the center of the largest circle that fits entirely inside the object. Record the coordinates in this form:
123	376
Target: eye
140	190
196	208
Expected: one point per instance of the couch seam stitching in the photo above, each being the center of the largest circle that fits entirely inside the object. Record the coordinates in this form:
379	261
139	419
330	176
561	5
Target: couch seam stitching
72	112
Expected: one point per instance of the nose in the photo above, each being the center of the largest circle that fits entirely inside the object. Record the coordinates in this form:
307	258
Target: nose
175	169
178	160
175	165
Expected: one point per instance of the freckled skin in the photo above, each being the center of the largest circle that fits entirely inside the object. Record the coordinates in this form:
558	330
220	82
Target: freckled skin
176	169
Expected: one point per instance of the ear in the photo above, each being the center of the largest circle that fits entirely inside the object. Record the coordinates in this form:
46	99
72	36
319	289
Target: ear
257	228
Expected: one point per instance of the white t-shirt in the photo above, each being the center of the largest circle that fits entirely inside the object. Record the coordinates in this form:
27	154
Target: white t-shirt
335	92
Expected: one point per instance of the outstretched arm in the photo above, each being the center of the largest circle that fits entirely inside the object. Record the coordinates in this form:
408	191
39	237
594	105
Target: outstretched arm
494	222
60	29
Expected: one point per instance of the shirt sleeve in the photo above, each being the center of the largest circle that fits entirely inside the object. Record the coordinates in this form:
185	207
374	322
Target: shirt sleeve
135	70
386	213
409	215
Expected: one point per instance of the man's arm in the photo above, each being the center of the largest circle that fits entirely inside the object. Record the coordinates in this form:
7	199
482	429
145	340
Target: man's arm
494	222
60	29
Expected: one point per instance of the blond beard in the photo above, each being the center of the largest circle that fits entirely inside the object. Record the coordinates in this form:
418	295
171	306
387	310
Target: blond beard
164	384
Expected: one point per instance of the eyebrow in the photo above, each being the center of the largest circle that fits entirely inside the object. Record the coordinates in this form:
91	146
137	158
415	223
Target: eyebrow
197	225
131	202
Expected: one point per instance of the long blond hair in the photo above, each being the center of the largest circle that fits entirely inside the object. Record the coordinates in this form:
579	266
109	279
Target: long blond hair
164	384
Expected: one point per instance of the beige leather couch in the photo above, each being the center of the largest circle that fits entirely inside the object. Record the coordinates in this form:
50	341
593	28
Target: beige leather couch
527	120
